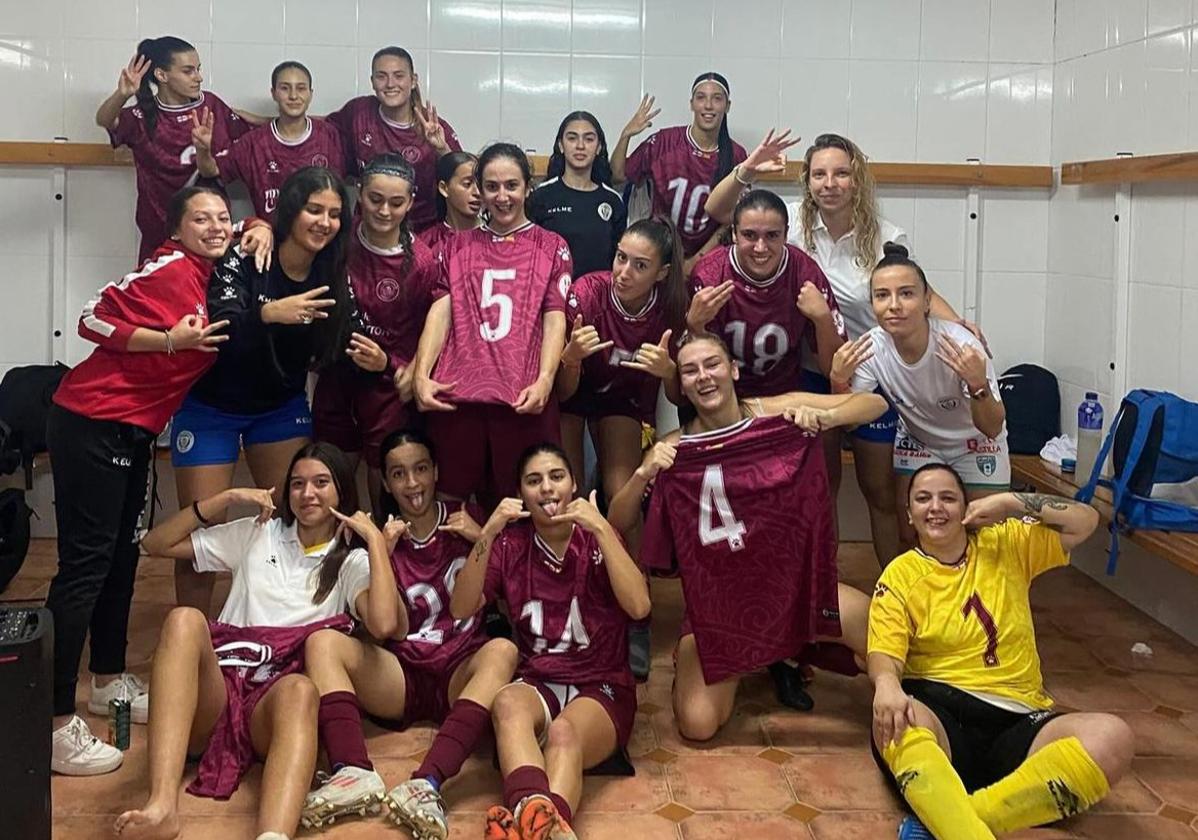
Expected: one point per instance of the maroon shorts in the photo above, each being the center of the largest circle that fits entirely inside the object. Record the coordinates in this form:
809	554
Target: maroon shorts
426	690
479	445
356	411
595	406
619	701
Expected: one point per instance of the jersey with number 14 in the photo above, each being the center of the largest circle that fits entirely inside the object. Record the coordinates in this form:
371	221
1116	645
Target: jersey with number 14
680	175
499	287
969	625
746	511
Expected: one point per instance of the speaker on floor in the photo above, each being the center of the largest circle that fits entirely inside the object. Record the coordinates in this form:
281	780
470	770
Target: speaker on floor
26	685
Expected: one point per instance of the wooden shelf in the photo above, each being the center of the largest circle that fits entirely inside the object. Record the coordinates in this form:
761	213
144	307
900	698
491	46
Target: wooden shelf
1182	166
1178	548
906	174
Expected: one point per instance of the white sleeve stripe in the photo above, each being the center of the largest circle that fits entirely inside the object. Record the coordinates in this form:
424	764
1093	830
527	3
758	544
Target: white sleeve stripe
102	327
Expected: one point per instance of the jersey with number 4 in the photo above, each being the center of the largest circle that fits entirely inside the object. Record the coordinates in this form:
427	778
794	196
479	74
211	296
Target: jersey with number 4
761	322
680	175
499	287
746	512
425	571
969	625
569	626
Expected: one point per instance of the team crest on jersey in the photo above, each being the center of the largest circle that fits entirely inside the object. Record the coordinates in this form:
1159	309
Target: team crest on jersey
838	321
184	441
320	160
271	200
949	404
605	211
880	589
987	464
386	289
563	285
272	167
410	153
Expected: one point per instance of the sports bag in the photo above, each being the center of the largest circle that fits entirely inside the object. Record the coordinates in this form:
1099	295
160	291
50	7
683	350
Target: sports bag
14	533
25	397
1032	401
1153	441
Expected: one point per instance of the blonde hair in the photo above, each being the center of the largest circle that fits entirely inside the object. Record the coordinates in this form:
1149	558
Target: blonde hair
865	205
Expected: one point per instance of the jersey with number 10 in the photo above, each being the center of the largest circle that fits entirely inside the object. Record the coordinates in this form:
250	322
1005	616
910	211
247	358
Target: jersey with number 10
969	625
499	287
569	626
680	175
746	511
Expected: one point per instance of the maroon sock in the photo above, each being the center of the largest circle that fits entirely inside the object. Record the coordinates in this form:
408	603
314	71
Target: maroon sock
524	781
464	726
563	807
339	723
830	656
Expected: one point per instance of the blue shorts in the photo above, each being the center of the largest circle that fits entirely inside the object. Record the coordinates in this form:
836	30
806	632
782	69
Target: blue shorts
202	435
881	430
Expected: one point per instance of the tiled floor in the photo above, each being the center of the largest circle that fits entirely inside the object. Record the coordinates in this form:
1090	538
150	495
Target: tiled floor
770	773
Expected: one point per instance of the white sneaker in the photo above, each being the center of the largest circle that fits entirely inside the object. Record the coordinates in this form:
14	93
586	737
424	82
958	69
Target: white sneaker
137	692
273	835
75	751
351	790
416	805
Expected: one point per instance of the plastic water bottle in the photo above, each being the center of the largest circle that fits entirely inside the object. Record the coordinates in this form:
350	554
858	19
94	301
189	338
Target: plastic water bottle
1089	435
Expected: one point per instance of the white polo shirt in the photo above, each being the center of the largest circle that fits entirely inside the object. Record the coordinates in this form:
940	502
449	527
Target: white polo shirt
850	281
274	581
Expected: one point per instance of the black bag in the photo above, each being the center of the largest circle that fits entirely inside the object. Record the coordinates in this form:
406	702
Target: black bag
14	533
1033	404
25	397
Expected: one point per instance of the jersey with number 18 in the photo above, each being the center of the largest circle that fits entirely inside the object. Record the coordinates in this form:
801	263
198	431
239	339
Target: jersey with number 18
500	286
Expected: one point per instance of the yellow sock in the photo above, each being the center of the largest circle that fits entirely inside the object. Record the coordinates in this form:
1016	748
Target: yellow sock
932	787
1056	782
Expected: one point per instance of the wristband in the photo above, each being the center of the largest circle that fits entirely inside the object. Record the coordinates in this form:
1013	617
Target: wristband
736	174
170	345
980	393
195	508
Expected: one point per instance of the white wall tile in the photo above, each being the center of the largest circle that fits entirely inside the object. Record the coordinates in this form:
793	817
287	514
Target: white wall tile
881	118
940	229
748	28
31	86
467	89
1187	351
92	68
607	26
754	96
100	206
334	73
189	21
951	112
309	22
897	205
816	29
1154	338
1081	231
1079	330
1081	27
239	22
1022	30
1189	242
403	23
608	87
669	79
955	30
85	277
1158	227
1012	316
26	339
678	27
815	98
28	209
950	285
31	20
1166	89
243	75
1126	20
464	25
885	29
535	96
1015	231
1164	15
1019	110
111	19
536	25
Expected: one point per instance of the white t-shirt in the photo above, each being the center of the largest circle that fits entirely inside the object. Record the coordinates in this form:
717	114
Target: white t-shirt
273	580
838	259
930	398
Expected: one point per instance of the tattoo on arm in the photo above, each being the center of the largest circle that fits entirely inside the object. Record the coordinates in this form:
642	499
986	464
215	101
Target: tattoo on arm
1036	502
480	550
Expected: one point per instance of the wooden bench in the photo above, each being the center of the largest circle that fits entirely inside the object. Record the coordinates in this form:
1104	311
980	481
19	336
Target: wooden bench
1178	548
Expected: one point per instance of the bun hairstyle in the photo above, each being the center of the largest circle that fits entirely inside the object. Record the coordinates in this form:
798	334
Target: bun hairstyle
161	52
600	169
447	165
724	164
394	166
894	254
662	235
403	55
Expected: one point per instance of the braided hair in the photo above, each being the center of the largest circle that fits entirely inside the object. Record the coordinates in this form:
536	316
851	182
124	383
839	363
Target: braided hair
395	166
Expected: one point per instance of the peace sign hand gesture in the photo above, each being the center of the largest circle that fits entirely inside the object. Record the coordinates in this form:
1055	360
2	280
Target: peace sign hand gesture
643	118
130	79
430	127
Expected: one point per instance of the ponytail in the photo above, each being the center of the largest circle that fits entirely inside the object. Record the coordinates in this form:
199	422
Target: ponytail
675	298
161	52
395	166
447	165
724	159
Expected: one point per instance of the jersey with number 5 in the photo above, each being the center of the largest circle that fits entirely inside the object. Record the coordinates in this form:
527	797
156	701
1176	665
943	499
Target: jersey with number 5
569	626
680	175
499	287
761	323
746	512
425	571
969	625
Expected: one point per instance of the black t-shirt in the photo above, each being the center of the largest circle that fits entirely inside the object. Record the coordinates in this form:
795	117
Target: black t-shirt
590	221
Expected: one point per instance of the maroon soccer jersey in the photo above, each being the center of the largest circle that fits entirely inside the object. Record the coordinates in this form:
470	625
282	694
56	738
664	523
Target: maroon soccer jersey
426	572
263	160
606	387
761	322
680	175
166	161
499	287
746	511
366	133
439	238
392	302
569	626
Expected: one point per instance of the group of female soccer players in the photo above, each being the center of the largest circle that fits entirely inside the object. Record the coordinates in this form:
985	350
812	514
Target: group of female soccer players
467	334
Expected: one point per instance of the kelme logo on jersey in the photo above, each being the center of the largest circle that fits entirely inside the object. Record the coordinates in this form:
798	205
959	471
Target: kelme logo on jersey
184	442
386	289
987	465
605	211
272	166
880	589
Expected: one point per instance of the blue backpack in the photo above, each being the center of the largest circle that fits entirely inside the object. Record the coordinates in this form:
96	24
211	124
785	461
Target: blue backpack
1154	439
